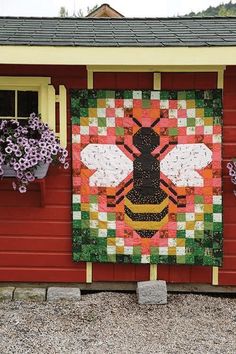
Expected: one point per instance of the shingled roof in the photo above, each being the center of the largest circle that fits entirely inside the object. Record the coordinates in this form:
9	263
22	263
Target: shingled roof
119	32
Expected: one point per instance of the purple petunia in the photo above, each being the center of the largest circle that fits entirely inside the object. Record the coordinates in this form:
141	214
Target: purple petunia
25	147
16	166
22	189
232	172
19	174
8	150
18	153
19	140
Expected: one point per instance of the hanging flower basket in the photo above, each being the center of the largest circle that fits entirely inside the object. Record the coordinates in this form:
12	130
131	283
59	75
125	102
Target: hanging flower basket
27	150
232	171
40	171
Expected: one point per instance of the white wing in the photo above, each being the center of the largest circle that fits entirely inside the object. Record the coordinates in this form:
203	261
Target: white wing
111	164
181	163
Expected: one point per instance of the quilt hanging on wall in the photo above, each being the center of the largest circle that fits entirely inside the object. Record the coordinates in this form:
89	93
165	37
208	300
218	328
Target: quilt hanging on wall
147	176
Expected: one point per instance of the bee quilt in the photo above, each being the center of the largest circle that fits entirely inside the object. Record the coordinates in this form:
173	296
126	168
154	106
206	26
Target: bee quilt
147	176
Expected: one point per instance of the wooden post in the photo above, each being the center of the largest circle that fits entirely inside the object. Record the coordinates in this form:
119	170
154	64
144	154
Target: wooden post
156	86
51	114
89	79
63	115
215	275
89	265
153	271
220	85
157	81
89	272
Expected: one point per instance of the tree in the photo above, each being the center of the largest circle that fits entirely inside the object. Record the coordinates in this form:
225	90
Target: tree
80	13
91	9
63	12
225	10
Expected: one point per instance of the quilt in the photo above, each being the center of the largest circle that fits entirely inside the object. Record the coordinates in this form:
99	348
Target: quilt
147	176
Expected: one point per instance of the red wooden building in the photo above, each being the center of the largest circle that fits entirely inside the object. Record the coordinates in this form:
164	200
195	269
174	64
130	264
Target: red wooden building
51	54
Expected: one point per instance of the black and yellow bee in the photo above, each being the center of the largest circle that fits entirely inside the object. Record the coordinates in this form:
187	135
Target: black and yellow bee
146	204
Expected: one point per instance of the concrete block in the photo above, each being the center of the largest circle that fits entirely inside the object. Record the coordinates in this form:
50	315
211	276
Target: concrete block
30	294
63	293
152	292
6	293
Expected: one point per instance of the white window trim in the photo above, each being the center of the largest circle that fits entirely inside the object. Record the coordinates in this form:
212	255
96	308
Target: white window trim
38	84
46	99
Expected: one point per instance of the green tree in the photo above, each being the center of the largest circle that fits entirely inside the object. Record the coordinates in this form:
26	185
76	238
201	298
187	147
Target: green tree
80	13
225	10
63	12
91	9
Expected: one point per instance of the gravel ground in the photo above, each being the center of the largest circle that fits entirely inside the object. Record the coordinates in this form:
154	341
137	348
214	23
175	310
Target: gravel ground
115	323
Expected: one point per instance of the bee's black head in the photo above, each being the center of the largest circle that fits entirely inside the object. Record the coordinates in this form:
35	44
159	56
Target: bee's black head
146	140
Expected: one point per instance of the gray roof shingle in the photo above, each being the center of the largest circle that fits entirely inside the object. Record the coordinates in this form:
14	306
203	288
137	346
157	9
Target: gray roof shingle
118	32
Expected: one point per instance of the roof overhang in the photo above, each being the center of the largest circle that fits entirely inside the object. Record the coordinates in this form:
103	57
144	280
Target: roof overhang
121	56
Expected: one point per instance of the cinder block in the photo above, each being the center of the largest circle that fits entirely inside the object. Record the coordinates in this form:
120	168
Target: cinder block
30	294
6	293
60	293
152	292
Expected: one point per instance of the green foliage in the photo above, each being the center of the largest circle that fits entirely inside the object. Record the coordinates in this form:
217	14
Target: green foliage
225	10
63	12
91	9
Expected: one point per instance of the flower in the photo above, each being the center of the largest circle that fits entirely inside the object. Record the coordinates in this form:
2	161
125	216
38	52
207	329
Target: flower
232	171
25	147
22	189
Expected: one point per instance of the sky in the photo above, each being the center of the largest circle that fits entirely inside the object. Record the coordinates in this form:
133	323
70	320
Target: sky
129	8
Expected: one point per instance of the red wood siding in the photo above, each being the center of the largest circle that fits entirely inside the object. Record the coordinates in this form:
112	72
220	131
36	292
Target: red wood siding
227	274
35	243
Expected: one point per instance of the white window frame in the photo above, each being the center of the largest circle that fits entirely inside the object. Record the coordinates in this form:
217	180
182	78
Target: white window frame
46	100
36	84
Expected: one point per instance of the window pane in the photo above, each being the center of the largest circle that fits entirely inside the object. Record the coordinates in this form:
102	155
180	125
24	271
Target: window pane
27	102
7	103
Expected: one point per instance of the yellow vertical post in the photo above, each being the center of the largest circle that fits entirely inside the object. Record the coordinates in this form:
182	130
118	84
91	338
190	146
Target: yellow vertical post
89	265
153	271
89	272
89	79
156	86
157	81
51	113
44	93
220	85
220	79
63	115
215	275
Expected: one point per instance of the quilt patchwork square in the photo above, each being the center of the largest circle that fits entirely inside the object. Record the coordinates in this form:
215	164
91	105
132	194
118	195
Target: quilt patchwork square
147	176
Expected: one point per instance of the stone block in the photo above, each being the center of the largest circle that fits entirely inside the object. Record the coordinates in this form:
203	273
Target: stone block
6	293
63	293
30	294
152	292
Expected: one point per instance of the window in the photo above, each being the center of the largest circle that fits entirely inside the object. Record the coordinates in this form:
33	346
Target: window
20	96
18	104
